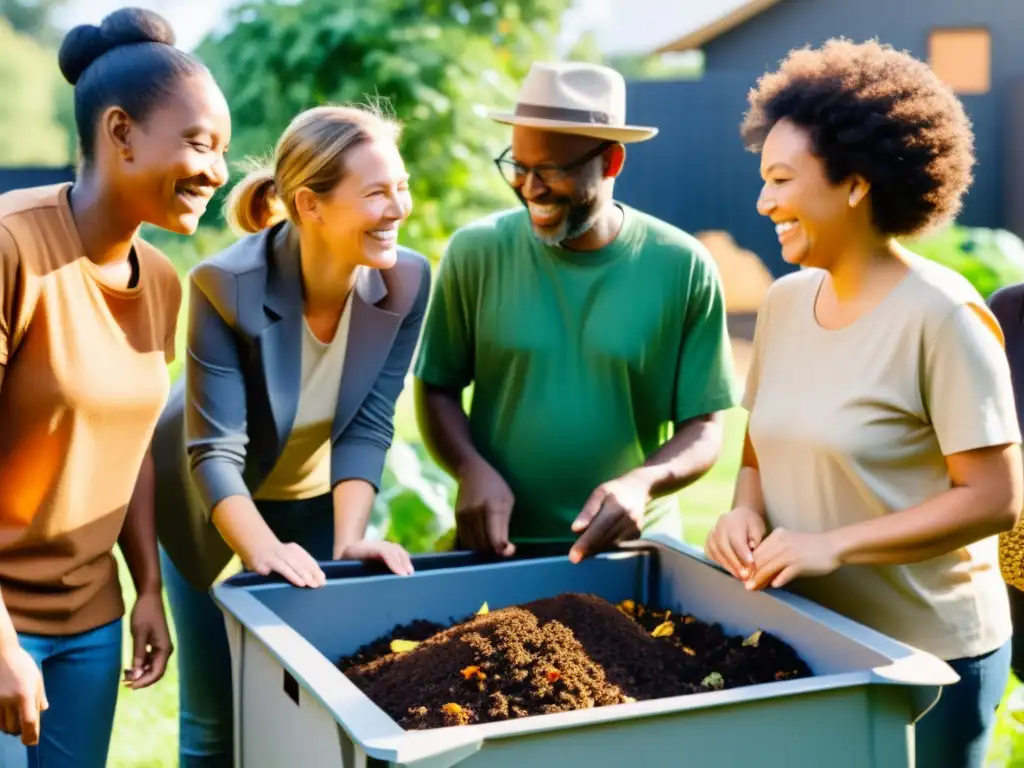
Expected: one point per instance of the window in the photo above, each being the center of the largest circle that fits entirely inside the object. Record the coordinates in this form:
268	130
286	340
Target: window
963	58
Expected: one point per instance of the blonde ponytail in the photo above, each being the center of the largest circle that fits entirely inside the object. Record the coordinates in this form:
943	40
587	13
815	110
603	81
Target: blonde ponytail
253	204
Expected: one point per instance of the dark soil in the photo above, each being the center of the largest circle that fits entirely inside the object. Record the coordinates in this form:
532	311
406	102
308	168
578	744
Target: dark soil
559	654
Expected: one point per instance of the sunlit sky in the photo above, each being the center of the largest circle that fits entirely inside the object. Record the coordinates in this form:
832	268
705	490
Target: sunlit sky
620	25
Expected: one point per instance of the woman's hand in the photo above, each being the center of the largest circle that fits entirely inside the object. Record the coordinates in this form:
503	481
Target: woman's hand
151	640
733	540
784	555
290	560
392	555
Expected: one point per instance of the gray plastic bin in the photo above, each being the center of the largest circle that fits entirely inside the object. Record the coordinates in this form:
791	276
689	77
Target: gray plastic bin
295	709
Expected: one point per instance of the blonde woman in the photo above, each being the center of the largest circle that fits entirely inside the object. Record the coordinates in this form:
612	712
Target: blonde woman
299	339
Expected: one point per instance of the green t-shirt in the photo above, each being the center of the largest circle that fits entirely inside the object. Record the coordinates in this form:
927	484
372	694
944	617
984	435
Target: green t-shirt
579	362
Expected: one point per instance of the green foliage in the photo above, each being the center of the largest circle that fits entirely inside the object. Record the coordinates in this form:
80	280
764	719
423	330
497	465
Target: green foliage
414	507
989	258
436	64
33	18
31	132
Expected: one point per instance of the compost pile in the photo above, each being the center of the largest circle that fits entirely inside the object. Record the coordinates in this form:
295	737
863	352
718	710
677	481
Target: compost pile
569	652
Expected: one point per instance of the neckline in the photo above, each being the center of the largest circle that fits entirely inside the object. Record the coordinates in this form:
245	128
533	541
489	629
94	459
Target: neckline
602	256
865	319
91	267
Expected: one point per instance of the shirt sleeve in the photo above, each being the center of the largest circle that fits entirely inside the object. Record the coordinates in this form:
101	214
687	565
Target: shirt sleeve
173	293
706	375
8	290
967	388
445	356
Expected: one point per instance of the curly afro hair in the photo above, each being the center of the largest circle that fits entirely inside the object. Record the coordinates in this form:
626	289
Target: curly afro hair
879	113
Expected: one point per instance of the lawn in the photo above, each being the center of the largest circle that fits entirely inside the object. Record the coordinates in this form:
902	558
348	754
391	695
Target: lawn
146	728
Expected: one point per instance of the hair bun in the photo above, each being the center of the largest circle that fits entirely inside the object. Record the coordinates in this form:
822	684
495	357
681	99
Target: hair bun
86	42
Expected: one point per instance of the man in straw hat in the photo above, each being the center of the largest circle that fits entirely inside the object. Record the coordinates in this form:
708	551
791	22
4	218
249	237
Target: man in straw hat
589	331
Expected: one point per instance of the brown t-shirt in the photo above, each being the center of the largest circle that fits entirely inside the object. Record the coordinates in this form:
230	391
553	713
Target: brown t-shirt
85	380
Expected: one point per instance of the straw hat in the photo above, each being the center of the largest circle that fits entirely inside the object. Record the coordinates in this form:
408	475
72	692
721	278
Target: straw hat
573	97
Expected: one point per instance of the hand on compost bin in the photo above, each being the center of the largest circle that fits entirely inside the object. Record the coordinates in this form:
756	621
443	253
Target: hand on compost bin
151	640
483	509
394	556
290	560
22	696
613	513
731	543
785	555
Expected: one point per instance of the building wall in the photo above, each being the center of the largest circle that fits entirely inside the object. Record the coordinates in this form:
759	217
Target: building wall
21	177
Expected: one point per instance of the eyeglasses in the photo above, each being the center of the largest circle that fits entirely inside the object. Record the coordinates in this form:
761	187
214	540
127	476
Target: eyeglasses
515	173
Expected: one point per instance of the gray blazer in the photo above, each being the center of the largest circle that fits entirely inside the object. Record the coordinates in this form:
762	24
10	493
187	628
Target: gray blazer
229	415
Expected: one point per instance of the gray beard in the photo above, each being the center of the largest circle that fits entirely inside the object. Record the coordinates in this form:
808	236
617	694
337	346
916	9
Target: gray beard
564	233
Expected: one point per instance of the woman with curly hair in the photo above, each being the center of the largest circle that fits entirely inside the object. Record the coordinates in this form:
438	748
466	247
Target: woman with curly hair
882	454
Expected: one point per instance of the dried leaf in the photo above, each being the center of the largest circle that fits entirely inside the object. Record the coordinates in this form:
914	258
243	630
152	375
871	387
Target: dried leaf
403	646
689	651
754	639
665	629
689	619
628	607
714	680
451	708
483	609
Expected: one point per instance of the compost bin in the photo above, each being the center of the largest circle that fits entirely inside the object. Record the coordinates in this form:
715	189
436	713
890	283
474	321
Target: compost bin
295	707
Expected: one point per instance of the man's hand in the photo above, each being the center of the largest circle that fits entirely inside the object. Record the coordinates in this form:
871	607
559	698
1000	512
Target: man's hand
22	696
613	513
152	642
483	509
394	556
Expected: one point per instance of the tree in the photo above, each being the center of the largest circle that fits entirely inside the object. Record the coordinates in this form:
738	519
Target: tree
32	17
31	132
437	64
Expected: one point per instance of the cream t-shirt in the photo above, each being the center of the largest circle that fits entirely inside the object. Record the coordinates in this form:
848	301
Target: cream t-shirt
852	424
303	470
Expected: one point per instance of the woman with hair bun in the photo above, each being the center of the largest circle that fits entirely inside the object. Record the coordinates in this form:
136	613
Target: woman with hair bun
883	456
88	312
300	337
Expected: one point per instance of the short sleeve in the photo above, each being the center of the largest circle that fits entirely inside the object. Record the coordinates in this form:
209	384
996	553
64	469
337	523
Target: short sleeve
706	378
173	302
8	291
445	356
967	388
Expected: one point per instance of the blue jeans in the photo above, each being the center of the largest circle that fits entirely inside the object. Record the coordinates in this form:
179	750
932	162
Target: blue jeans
205	719
957	731
81	674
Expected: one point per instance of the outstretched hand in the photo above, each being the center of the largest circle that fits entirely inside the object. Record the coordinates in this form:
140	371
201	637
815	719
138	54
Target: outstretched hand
613	513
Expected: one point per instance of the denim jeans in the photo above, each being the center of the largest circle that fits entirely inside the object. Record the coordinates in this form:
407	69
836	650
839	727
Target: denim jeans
205	719
81	674
957	731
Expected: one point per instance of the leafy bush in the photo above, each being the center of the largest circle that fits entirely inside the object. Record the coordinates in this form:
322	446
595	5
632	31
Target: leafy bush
989	258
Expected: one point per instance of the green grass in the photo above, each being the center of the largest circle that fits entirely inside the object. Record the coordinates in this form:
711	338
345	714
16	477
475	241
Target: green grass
146	727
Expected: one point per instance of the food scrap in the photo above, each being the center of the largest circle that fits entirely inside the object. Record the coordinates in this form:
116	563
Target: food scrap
403	646
714	680
471	672
484	610
553	675
665	629
753	640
